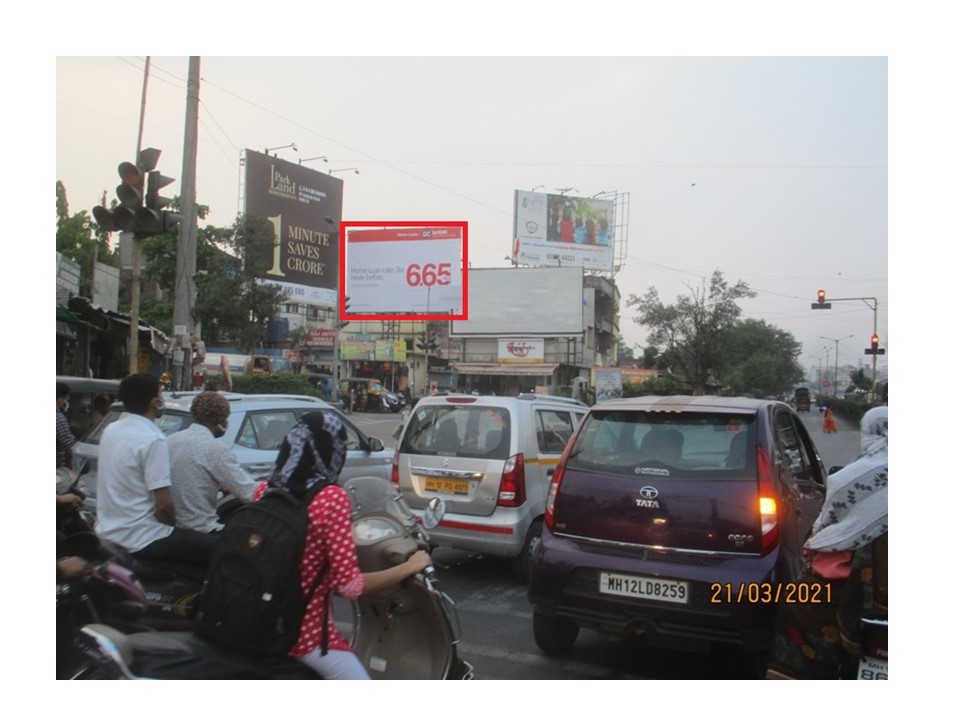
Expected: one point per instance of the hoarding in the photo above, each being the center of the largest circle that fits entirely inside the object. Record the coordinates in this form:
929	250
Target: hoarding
520	350
607	382
409	271
305	208
524	302
563	230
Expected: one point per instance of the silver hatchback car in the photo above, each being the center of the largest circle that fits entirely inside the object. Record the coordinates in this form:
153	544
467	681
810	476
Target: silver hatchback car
490	459
255	430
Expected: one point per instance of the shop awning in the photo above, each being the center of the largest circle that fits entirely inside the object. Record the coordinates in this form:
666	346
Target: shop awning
504	369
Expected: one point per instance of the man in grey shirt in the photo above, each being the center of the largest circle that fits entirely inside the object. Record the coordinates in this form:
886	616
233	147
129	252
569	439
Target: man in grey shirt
201	466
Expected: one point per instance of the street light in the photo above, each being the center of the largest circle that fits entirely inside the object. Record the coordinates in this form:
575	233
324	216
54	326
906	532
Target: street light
836	359
562	191
318	157
355	171
281	147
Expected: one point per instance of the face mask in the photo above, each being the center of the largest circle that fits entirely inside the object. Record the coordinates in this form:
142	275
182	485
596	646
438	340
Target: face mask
65	407
159	408
219	430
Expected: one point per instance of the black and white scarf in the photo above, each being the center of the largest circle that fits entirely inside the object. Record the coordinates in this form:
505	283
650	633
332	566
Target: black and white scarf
312	454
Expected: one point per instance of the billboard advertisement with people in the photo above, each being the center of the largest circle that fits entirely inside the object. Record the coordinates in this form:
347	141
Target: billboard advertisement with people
563	230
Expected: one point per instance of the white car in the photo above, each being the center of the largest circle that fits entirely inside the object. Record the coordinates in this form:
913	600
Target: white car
256	428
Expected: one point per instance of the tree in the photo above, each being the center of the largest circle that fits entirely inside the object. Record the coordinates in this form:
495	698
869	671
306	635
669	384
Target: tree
690	331
758	359
80	239
232	304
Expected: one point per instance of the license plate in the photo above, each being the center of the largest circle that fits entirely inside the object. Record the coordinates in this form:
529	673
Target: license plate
646	588
872	668
446	485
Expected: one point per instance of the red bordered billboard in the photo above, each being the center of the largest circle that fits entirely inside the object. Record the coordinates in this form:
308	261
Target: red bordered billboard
403	270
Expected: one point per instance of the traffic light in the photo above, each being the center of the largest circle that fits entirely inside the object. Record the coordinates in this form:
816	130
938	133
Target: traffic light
432	343
874	348
130	213
422	341
821	303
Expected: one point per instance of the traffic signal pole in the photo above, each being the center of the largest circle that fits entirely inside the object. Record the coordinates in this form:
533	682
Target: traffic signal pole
133	363
872	303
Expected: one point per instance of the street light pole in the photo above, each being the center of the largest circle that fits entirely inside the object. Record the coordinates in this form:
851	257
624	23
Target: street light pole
836	359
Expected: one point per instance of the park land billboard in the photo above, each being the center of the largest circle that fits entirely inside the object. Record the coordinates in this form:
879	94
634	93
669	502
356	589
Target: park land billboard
304	207
563	230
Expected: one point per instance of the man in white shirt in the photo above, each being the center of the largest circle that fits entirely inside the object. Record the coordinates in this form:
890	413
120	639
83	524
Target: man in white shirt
201	466
134	505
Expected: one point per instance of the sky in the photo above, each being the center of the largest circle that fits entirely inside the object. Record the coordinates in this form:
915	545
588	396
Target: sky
753	137
772	170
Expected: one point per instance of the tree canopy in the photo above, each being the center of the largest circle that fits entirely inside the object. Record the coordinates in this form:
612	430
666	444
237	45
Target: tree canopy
690	331
80	239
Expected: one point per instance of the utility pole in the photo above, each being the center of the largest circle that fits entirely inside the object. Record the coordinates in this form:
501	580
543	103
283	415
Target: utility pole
185	291
133	364
836	359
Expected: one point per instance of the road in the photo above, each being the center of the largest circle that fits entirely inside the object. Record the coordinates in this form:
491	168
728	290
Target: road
496	618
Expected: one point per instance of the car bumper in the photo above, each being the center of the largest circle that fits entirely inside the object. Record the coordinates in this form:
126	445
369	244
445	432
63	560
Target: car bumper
565	582
501	534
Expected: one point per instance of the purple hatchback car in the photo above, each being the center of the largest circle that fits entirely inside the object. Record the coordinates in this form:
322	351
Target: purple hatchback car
681	518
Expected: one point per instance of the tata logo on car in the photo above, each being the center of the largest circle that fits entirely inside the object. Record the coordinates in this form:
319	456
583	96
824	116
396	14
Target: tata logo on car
648	497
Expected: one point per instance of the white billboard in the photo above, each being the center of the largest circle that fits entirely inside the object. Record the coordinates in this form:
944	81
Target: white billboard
404	271
524	302
563	230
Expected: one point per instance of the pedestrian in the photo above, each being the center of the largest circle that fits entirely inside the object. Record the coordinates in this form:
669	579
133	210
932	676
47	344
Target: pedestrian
65	438
202	467
829	424
311	457
134	503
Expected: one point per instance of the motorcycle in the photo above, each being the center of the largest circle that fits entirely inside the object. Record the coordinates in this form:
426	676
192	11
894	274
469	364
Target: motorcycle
873	643
409	631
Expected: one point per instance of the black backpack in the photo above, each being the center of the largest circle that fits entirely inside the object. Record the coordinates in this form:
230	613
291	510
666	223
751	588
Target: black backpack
251	601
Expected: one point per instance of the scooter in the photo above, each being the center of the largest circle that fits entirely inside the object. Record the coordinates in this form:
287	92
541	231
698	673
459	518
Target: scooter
410	631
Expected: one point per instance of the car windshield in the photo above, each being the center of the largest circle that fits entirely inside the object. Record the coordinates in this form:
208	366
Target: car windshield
457	431
625	442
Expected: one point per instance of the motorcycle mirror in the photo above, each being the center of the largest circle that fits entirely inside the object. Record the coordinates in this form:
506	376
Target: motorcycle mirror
434	513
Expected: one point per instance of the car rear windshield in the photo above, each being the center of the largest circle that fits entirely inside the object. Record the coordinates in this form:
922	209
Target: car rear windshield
458	431
638	443
169	423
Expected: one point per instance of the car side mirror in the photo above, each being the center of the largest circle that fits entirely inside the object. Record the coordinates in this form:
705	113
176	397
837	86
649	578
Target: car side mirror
375	444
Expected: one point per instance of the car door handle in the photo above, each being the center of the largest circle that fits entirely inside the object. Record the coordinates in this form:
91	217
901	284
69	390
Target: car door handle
259	467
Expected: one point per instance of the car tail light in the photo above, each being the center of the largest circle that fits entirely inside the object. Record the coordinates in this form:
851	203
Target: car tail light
395	469
554	488
767	500
513	483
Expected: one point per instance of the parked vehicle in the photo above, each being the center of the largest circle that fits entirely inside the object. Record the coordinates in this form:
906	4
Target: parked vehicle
406	632
679	518
490	458
241	364
255	430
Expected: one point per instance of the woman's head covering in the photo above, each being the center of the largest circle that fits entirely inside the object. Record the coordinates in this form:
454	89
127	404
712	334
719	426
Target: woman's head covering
854	513
312	454
873	429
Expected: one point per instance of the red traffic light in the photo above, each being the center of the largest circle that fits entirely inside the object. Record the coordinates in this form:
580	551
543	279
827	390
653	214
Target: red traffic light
874	341
821	303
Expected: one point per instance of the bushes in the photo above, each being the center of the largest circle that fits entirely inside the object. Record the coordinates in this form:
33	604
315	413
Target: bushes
849	409
270	384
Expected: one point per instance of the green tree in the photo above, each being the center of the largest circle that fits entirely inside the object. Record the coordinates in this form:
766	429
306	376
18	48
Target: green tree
232	304
690	331
758	359
80	239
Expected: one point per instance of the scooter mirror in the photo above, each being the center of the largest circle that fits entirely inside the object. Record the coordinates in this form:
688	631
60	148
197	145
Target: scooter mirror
434	513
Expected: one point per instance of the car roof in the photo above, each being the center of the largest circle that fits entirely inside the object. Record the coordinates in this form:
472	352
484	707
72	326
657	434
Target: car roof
239	401
683	403
498	400
90	385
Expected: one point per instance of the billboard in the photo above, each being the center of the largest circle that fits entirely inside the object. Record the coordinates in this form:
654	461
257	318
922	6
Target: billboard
410	271
534	301
305	208
563	230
